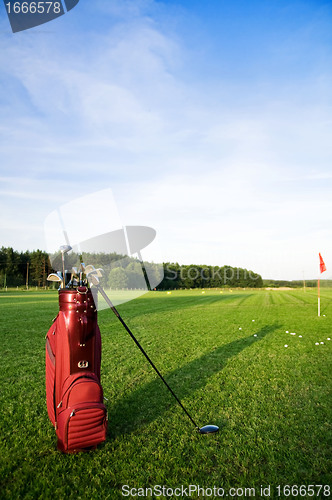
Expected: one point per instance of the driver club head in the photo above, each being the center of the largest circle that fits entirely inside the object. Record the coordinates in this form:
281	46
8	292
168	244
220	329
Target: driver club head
208	429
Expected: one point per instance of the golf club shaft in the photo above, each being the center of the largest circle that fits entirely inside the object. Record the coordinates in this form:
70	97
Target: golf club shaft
144	271
63	271
103	293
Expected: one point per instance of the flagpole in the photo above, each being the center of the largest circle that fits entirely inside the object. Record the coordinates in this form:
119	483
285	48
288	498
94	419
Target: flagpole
318	296
322	269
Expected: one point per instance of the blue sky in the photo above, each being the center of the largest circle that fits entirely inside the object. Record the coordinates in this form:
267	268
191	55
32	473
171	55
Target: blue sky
210	121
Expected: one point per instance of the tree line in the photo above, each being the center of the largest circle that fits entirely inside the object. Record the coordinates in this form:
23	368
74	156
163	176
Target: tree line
203	276
21	268
32	268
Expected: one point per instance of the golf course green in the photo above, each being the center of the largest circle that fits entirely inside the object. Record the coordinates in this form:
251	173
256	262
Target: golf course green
223	353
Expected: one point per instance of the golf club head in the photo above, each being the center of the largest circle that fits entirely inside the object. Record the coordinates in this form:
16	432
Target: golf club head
89	269
65	248
208	429
54	277
96	272
93	279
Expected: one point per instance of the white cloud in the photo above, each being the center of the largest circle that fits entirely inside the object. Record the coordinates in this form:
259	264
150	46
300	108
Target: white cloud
226	173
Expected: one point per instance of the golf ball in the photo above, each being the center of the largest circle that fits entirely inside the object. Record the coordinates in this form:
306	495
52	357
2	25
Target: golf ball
293	333
316	343
255	335
300	336
240	328
328	338
322	342
253	320
286	345
287	331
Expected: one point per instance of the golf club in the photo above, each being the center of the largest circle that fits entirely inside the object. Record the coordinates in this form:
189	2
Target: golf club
99	272
82	271
89	268
92	270
207	429
54	277
73	275
144	270
64	249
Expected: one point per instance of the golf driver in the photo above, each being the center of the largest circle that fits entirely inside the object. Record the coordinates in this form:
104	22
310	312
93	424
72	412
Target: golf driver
207	429
64	249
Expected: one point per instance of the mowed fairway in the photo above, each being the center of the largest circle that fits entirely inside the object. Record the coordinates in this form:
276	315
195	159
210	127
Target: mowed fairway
273	404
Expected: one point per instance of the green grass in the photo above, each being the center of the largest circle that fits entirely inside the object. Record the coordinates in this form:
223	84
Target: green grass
273	404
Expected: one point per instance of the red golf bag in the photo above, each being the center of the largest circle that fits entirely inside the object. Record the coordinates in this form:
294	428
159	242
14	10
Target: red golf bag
73	355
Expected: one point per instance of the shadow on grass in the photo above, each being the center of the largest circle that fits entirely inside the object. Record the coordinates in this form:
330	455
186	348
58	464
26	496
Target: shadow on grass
151	400
153	305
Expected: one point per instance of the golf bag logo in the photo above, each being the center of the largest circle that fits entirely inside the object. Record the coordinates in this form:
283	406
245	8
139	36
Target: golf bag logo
24	14
89	233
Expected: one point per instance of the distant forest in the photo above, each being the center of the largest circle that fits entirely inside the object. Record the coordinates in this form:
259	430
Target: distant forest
31	268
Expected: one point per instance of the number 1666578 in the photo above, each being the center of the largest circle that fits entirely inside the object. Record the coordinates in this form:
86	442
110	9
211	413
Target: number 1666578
312	490
33	7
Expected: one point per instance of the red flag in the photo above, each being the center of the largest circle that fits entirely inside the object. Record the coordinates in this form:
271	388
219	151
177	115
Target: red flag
322	265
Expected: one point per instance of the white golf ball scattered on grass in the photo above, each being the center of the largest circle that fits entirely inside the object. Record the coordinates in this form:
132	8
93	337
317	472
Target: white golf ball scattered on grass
287	331
293	333
286	345
328	338
252	320
322	342
240	328
300	336
255	334
316	343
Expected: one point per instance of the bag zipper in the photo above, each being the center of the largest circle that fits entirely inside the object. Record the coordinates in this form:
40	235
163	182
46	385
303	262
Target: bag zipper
72	383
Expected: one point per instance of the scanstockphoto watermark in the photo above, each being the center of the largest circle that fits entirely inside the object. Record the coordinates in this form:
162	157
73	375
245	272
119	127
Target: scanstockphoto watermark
223	276
187	491
262	491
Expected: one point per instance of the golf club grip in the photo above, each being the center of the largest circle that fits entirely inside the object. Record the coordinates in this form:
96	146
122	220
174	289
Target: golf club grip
103	293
